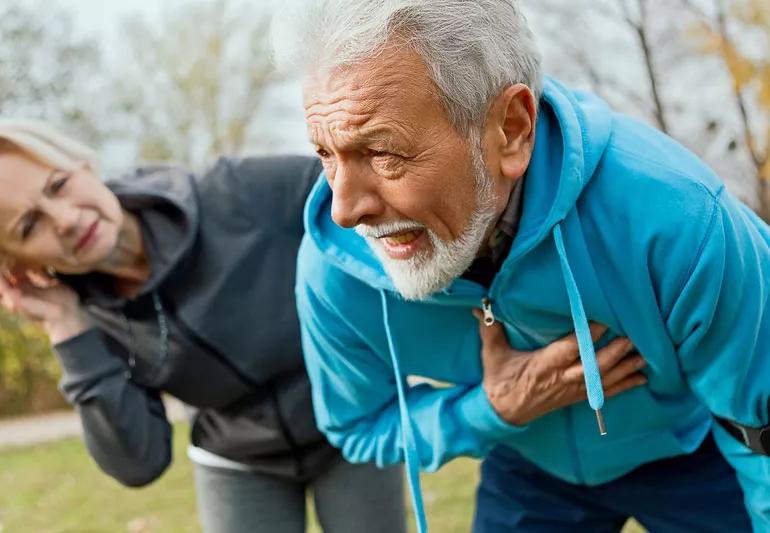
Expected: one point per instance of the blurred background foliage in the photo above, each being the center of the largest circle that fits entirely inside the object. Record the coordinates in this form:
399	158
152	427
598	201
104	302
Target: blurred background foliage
28	371
197	82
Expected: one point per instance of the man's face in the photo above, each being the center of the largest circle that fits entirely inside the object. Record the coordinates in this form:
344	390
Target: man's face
399	172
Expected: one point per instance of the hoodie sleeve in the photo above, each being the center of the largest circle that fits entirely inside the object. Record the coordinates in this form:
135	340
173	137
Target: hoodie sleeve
124	425
720	322
354	388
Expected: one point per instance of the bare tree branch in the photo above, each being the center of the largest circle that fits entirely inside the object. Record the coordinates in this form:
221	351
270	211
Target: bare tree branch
740	100
652	77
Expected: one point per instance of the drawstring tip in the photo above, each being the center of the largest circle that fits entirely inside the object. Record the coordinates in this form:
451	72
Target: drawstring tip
600	420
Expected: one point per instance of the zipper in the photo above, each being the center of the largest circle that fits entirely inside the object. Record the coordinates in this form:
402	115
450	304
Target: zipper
573	444
486	306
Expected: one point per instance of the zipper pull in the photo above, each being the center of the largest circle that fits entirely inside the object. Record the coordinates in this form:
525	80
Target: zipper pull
489	317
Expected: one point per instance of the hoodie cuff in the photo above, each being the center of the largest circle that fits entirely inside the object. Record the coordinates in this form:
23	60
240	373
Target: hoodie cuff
482	417
86	356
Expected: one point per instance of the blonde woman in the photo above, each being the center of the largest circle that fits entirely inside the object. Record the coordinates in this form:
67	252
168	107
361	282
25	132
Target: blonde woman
165	282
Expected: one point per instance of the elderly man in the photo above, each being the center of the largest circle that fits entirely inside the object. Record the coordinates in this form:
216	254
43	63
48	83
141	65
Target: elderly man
458	178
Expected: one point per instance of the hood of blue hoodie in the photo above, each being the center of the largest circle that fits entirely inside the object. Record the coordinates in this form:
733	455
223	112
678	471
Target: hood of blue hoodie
569	122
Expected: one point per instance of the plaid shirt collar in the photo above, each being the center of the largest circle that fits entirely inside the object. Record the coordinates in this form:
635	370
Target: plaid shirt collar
507	226
486	266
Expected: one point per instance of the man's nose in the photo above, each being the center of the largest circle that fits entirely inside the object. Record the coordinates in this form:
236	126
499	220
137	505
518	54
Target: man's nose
64	216
354	196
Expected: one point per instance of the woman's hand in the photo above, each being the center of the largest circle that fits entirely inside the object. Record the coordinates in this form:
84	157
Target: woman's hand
44	300
523	386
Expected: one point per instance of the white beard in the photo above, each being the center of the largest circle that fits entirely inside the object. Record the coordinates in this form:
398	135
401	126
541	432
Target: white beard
432	270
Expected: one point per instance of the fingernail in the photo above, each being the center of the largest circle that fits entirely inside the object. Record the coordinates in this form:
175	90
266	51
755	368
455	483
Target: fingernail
641	363
629	346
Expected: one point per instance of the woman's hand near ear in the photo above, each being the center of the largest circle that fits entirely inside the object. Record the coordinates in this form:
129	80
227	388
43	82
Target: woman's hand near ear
39	298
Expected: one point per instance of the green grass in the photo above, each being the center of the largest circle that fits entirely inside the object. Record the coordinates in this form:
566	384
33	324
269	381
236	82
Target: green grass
56	488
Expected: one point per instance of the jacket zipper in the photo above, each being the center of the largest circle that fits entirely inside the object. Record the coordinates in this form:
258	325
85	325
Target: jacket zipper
486	306
489	319
570	423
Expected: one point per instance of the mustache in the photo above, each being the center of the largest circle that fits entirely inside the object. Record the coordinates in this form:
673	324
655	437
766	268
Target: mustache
388	228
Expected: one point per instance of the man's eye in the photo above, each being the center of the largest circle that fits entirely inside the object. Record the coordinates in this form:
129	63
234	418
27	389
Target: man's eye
28	225
58	183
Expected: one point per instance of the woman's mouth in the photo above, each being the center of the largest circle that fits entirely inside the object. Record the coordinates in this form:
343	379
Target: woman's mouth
88	238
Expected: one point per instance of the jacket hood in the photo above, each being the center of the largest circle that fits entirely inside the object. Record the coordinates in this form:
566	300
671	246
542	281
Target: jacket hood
573	123
163	197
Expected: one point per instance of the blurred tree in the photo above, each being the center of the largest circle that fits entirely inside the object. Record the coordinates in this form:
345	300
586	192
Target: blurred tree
193	84
47	71
639	56
28	370
621	49
748	64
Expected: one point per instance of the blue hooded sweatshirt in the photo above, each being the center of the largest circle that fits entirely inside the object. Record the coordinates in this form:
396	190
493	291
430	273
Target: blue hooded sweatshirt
620	225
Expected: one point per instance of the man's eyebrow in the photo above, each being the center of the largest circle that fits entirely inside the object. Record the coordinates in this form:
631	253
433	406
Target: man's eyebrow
16	221
385	136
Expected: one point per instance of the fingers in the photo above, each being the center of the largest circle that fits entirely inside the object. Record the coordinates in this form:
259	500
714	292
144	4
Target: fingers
39	278
565	350
629	366
597	330
35	308
8	294
35	303
606	358
634	380
4	285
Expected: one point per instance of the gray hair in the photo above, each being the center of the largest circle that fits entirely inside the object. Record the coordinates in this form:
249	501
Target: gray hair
472	48
44	144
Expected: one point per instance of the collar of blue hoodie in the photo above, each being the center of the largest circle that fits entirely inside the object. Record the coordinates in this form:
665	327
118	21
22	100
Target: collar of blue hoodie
573	129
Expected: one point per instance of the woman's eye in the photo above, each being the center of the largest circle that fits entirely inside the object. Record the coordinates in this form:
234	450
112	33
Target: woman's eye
58	183
28	225
322	152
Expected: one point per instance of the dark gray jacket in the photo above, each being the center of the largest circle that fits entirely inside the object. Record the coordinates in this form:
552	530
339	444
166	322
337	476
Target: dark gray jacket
222	255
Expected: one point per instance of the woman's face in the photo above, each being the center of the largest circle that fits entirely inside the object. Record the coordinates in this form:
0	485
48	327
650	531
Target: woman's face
50	217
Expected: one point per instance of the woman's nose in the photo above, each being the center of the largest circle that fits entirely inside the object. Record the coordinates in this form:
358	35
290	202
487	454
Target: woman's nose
63	215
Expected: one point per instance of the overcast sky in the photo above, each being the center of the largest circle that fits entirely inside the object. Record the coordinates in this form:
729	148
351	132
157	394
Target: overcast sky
282	106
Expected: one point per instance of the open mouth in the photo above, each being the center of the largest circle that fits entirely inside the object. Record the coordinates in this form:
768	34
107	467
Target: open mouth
88	238
404	244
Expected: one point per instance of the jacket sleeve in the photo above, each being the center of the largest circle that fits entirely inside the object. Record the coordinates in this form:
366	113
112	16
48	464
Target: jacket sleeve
354	388
720	322
124	425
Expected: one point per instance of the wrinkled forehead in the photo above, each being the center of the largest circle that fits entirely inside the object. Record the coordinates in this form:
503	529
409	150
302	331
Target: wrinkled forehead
392	74
392	90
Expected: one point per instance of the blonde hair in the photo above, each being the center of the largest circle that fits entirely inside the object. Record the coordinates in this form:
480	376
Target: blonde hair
44	144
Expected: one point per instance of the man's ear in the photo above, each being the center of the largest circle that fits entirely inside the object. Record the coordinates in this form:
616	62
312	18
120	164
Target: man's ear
511	129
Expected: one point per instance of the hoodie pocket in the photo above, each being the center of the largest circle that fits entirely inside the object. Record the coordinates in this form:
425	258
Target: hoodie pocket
246	430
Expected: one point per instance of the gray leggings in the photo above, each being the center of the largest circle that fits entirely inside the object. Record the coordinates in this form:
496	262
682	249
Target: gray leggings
348	499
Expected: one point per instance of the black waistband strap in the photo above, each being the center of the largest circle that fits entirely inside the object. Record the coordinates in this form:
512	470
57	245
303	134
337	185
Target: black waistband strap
756	439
